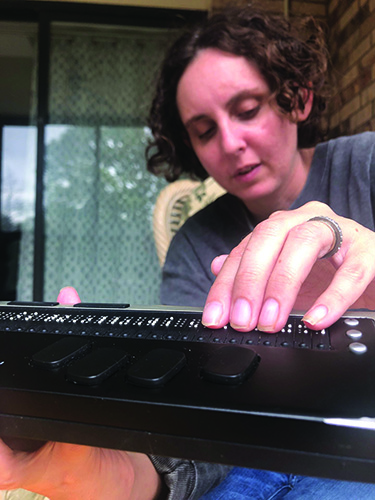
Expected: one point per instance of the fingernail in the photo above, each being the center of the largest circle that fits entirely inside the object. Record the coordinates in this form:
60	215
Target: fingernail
212	313
241	314
315	315
268	315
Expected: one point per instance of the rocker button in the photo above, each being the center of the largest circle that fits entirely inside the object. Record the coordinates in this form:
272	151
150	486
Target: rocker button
60	352
156	367
96	366
230	365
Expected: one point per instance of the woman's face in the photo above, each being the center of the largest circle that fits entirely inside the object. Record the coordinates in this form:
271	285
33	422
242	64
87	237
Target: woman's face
238	134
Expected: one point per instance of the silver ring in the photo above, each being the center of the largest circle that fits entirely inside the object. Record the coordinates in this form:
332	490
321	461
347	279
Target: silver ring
336	231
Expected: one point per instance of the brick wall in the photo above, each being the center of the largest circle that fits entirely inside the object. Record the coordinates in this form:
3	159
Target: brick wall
352	45
351	29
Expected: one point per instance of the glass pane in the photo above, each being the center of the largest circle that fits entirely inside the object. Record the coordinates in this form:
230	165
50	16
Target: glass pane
18	49
99	204
17	209
99	198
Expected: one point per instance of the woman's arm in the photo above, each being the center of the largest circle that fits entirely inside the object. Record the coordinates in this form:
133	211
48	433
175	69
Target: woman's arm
74	472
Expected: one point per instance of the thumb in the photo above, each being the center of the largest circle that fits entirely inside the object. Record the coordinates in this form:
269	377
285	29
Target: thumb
218	263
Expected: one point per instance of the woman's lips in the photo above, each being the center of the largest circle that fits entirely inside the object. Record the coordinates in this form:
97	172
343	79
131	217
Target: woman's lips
246	173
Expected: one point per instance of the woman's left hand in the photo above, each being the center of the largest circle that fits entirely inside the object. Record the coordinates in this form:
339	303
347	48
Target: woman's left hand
280	267
64	471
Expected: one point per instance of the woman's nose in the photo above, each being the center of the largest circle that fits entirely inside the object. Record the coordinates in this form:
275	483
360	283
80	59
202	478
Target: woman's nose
232	139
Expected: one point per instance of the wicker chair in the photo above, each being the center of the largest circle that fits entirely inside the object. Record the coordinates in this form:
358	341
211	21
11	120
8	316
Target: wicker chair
20	495
175	203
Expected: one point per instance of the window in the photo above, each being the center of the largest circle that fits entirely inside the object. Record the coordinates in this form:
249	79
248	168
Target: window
87	200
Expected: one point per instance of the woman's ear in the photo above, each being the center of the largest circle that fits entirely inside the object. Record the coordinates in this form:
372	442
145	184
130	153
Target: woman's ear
306	97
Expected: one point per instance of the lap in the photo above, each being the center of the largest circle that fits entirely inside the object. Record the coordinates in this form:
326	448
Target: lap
251	484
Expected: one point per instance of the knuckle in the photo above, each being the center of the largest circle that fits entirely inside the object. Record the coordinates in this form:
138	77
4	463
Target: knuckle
354	273
223	280
339	296
236	253
251	275
317	207
305	233
352	278
269	228
287	279
277	213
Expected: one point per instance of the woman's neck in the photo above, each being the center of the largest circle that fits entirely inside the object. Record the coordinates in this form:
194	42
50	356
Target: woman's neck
262	208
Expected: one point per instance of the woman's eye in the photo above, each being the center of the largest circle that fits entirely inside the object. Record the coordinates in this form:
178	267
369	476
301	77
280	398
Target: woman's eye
206	134
249	113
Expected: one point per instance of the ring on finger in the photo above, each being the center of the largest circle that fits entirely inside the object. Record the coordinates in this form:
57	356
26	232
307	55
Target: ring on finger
336	232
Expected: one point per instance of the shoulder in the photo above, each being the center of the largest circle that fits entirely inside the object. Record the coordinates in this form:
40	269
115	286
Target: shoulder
354	154
341	168
360	144
351	140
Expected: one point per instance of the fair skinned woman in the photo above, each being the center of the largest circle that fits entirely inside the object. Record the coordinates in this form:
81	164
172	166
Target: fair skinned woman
250	149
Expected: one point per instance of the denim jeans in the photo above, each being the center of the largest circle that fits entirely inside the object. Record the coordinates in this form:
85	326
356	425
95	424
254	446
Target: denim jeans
250	484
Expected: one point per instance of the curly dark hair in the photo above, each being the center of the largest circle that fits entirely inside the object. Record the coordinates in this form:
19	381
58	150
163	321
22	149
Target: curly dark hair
291	57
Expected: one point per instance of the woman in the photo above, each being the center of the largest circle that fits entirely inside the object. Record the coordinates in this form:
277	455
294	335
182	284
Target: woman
244	98
240	99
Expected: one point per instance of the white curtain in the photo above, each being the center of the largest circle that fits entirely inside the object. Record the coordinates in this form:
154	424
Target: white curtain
98	196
